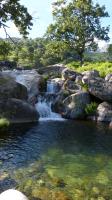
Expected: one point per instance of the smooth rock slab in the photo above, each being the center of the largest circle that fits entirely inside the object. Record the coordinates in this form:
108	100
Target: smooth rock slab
12	194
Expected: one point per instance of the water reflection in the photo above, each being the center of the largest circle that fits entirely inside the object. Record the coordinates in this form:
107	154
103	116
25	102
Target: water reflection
63	159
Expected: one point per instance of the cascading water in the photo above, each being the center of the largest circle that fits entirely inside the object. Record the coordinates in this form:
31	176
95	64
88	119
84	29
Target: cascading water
44	103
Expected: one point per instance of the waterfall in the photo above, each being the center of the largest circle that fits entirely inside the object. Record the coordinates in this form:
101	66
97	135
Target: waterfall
45	102
52	86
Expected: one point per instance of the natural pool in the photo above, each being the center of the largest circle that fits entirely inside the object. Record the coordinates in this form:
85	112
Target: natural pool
58	160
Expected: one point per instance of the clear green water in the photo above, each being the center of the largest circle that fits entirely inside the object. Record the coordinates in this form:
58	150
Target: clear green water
67	160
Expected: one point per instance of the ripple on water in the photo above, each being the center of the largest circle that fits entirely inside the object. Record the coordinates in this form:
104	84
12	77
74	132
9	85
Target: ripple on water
58	160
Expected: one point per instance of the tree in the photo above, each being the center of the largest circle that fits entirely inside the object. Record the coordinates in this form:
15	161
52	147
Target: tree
78	24
5	48
14	11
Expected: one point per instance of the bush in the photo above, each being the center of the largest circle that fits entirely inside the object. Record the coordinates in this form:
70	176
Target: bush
104	68
91	108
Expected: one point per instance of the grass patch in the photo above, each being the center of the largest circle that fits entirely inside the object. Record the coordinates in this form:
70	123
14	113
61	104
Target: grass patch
104	68
91	108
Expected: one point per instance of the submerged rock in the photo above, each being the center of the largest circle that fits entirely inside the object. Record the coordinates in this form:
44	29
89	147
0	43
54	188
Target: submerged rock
75	105
12	194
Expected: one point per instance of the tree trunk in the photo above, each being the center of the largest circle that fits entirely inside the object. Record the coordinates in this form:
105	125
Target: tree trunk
81	55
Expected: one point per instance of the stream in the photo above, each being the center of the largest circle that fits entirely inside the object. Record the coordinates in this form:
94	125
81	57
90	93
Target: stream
57	159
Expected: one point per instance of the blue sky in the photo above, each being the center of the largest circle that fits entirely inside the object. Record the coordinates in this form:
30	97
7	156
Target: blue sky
42	13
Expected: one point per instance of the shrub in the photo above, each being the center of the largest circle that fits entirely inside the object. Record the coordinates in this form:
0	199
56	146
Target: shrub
84	86
91	108
104	68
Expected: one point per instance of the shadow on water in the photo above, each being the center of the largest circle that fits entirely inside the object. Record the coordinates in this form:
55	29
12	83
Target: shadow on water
77	152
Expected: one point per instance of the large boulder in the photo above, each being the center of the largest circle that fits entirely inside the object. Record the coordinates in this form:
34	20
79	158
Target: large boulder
91	74
52	71
30	79
9	88
104	112
99	88
18	111
75	105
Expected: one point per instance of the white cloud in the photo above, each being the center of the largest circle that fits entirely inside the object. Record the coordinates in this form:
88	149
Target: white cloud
11	30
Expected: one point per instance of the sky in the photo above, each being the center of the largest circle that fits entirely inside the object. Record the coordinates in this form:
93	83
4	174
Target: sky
41	10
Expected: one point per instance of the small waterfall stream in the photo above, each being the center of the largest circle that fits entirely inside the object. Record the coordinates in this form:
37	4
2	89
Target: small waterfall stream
44	103
45	100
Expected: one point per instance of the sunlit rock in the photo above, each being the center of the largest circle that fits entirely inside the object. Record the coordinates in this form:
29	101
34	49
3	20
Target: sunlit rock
12	194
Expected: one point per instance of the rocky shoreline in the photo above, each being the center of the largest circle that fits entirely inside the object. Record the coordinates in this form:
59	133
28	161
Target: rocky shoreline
79	91
80	95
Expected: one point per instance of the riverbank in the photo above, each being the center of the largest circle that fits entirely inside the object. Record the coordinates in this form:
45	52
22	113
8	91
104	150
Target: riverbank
29	94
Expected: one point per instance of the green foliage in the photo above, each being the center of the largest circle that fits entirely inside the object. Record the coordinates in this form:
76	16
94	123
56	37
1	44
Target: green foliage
73	64
77	23
4	122
84	86
5	49
14	11
91	108
104	68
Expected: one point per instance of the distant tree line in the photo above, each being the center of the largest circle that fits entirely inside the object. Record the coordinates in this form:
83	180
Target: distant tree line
72	36
39	52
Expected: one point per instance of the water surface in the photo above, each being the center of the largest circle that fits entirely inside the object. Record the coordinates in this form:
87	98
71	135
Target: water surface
58	160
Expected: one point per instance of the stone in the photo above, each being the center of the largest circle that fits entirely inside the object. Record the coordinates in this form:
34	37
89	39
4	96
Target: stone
108	78
92	73
9	88
18	111
71	86
31	80
5	65
110	125
52	71
54	85
75	104
104	112
78	79
69	74
99	88
12	194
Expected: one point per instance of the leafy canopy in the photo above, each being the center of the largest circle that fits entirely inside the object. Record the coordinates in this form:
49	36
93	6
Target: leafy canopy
14	11
78	24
